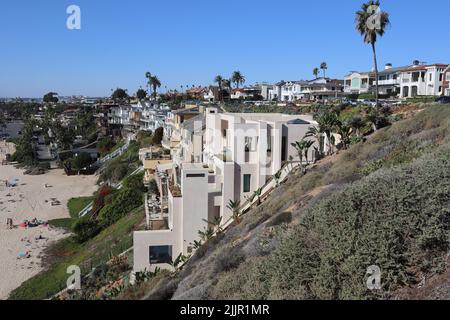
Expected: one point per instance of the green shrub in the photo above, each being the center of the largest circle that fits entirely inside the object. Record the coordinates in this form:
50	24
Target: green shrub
135	182
85	229
394	219
122	203
104	145
158	136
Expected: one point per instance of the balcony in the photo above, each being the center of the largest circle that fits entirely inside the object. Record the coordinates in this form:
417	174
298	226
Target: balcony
156	214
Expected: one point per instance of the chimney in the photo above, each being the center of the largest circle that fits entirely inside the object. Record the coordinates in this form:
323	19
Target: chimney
388	66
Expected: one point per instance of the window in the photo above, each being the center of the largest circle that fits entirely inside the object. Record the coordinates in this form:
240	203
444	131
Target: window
440	89
441	77
283	149
448	76
431	77
247	180
195	175
160	254
356	83
248	144
269	143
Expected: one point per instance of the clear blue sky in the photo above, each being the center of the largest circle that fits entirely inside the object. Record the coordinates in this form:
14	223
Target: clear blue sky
189	42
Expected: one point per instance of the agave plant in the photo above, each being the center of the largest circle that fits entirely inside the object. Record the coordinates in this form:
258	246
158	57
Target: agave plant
217	223
277	177
257	194
196	244
178	263
206	234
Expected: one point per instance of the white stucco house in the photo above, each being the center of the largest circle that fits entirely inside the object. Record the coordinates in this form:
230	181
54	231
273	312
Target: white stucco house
358	82
317	89
418	79
447	82
422	80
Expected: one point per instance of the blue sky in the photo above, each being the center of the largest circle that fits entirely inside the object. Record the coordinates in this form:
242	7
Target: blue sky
189	42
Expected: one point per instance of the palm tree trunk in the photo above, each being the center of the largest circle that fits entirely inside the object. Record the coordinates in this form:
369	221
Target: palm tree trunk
376	72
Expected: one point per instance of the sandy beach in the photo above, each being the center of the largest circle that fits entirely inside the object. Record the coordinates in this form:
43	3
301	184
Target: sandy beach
30	199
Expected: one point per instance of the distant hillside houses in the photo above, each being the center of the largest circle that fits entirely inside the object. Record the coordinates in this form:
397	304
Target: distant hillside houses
317	89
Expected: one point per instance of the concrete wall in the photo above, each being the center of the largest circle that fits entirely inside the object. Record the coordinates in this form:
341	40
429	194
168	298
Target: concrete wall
142	240
194	188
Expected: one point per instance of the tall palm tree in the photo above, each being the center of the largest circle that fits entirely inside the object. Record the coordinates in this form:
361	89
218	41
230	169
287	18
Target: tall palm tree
219	80
148	76
371	23
323	67
155	84
237	78
226	83
316	72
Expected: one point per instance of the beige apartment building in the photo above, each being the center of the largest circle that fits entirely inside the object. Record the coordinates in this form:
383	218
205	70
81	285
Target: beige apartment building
241	152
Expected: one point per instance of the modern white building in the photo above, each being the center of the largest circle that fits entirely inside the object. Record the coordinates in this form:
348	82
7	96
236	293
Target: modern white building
190	148
173	123
241	153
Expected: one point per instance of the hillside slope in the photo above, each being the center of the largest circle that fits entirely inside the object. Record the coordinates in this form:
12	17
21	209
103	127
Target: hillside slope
385	202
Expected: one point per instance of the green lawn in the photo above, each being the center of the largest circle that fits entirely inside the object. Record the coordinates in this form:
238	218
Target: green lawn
75	205
111	241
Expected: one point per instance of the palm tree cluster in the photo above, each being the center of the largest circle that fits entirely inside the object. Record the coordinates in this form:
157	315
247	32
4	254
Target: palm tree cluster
323	67
226	84
153	83
333	123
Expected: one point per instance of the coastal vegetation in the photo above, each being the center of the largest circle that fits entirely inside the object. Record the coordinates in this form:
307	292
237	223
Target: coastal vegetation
95	252
380	202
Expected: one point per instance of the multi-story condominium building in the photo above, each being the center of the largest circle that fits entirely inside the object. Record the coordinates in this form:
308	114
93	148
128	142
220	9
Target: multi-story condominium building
190	148
241	154
173	122
358	82
143	116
